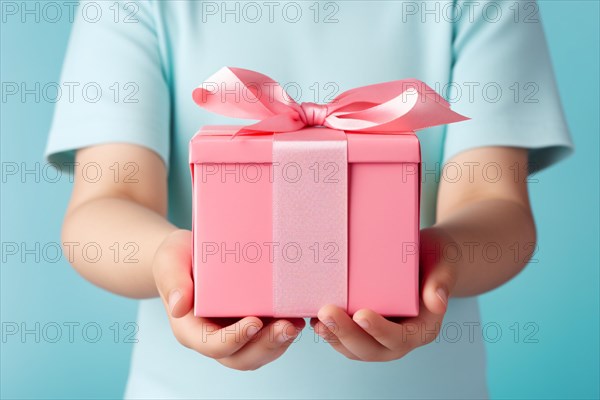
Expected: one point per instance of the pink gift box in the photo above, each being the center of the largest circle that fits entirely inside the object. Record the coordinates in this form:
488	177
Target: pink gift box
233	211
314	204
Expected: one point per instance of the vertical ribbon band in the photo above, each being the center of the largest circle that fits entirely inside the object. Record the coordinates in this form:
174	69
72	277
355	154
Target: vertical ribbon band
310	221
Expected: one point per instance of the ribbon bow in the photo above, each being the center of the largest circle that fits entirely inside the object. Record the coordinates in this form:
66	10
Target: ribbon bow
402	106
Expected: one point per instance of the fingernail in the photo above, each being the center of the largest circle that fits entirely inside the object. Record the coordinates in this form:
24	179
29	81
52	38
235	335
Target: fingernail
443	295
363	323
252	330
174	298
323	317
281	338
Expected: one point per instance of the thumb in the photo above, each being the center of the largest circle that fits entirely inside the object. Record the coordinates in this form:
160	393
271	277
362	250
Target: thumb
172	268
438	286
439	275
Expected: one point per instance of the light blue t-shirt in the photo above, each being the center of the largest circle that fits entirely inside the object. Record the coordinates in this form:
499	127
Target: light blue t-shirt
488	58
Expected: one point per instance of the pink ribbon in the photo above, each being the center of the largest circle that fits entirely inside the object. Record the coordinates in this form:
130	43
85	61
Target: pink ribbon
310	215
402	106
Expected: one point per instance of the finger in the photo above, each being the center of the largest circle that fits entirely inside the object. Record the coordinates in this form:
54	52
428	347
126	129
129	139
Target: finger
271	342
213	340
332	340
351	335
277	333
437	286
421	330
299	323
400	337
439	274
172	268
388	333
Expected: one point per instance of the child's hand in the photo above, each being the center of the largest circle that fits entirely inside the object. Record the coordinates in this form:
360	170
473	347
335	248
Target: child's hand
245	344
368	336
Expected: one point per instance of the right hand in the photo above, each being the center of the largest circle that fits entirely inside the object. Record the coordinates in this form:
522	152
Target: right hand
244	344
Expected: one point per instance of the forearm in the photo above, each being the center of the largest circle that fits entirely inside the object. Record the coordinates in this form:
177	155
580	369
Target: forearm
127	235
487	241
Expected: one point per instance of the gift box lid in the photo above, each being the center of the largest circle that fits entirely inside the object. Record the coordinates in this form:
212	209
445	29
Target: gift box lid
213	144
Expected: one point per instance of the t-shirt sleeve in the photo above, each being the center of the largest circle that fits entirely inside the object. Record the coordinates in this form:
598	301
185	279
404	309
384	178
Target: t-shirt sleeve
113	85
502	79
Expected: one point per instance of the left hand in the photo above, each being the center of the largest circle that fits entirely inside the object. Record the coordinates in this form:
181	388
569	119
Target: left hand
368	336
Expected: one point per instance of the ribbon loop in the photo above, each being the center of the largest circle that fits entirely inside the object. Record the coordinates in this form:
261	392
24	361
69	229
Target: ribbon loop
396	107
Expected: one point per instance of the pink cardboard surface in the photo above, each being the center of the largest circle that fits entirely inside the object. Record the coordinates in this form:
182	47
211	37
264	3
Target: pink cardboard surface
234	248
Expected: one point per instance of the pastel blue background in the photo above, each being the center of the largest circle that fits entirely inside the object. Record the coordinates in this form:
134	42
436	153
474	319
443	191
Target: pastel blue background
559	293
